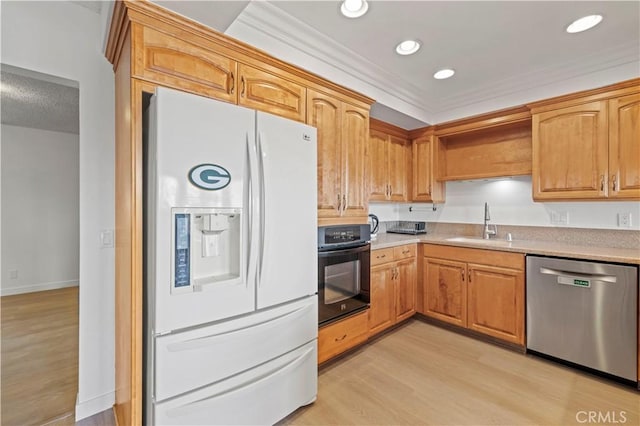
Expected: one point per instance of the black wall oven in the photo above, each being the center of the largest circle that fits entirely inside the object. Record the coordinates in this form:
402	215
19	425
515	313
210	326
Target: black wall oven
344	259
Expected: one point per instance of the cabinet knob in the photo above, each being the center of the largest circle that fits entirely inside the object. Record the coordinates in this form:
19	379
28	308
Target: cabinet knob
233	84
462	275
601	183
243	84
340	339
614	181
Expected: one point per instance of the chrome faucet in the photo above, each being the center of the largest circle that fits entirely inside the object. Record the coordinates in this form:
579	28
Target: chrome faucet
488	231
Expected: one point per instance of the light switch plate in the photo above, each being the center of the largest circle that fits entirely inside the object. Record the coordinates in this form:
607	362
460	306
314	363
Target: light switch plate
106	238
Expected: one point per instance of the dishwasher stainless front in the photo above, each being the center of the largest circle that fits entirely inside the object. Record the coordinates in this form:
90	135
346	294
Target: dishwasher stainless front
584	312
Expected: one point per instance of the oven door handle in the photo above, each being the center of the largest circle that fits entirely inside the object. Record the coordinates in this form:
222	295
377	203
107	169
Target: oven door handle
345	251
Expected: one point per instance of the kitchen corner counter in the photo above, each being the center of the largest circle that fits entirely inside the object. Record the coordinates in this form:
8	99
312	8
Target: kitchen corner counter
543	248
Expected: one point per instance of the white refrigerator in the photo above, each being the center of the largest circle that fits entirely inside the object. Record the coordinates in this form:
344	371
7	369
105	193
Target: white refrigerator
231	263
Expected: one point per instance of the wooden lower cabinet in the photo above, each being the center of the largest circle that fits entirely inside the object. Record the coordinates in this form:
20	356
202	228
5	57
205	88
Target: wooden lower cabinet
393	287
340	336
495	302
382	295
482	290
405	287
445	290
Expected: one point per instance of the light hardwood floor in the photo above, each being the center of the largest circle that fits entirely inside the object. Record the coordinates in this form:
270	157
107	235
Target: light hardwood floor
39	370
423	375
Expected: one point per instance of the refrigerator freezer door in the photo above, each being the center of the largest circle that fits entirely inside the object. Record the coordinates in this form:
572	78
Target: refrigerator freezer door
287	264
260	396
199	357
198	159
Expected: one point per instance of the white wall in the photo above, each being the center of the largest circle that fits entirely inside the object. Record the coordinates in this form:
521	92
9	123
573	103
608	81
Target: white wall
510	203
64	40
40	206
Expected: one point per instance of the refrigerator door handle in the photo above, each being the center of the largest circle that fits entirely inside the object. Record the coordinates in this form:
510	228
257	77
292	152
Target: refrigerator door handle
261	196
253	231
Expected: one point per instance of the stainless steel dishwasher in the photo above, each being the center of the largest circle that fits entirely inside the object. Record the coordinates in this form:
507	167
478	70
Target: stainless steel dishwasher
584	312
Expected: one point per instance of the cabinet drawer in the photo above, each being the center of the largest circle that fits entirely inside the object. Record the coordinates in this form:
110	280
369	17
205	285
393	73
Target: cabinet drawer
175	63
381	256
404	252
340	336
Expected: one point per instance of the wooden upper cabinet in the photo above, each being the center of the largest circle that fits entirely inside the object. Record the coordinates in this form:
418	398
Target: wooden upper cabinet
624	147
343	131
176	63
271	93
378	168
324	113
425	185
399	152
587	145
570	152
388	166
355	133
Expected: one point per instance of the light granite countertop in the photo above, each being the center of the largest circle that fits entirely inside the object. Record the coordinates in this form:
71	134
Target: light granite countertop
544	248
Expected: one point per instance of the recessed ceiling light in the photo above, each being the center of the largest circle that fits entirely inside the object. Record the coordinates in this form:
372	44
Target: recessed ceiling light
408	47
442	74
354	8
584	23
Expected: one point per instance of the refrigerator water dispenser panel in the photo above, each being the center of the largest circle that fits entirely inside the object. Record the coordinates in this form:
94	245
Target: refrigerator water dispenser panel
207	248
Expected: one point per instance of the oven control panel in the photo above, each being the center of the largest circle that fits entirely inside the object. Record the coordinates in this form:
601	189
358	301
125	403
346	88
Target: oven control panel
333	237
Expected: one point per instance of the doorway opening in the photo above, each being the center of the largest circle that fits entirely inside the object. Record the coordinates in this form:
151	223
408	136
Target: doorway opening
40	227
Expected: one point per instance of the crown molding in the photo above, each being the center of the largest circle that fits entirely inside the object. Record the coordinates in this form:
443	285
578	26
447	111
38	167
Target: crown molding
598	61
273	22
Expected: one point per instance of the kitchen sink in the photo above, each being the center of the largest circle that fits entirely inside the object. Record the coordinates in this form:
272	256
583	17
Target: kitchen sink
479	241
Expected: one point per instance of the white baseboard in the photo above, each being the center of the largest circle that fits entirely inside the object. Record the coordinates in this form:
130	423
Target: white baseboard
94	405
38	287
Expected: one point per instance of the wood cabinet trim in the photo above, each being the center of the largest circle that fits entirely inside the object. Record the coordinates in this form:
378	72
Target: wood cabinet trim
118	33
509	260
387	128
161	19
620	89
484	121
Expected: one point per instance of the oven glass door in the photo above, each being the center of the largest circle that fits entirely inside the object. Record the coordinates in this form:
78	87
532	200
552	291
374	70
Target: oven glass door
343	282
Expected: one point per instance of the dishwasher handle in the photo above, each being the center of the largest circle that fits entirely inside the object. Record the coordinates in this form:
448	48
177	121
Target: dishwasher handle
568	275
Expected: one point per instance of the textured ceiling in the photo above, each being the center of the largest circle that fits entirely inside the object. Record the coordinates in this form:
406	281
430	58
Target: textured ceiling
27	101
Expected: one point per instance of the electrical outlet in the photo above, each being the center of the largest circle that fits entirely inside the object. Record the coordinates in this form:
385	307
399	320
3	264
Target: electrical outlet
564	218
13	274
555	217
624	220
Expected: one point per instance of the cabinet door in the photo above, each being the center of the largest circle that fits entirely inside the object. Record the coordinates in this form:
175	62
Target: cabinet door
355	133
624	147
270	93
496	302
405	284
570	152
398	161
445	290
378	168
381	310
175	63
425	187
324	113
